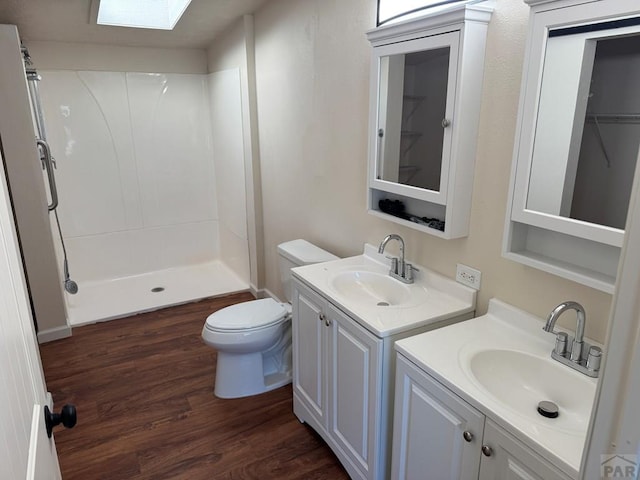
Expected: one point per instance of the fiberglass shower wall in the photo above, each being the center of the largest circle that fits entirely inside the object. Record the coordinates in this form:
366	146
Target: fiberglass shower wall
135	170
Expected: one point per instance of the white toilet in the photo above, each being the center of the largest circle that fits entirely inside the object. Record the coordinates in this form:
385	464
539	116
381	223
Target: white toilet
253	339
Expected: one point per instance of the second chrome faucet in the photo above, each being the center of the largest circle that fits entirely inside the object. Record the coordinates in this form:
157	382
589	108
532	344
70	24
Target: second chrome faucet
574	352
400	269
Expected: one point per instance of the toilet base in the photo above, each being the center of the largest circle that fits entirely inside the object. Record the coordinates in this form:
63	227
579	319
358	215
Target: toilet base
242	375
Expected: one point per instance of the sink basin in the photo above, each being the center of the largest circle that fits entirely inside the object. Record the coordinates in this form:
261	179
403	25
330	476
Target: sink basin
361	287
520	381
371	288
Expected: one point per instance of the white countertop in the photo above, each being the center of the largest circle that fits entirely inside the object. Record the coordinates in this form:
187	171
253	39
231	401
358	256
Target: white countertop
445	354
438	298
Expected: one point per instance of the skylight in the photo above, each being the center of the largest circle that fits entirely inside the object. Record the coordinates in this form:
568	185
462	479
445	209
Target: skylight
158	14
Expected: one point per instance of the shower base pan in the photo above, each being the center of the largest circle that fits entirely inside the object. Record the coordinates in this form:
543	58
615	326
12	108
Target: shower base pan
98	301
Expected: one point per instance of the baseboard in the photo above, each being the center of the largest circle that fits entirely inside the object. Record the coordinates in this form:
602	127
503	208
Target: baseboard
255	291
49	400
266	293
262	293
52	334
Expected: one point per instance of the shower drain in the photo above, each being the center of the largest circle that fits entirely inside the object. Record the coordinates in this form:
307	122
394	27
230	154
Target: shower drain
157	289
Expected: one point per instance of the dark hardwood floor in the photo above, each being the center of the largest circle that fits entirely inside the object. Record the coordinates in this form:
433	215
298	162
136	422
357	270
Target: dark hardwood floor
143	388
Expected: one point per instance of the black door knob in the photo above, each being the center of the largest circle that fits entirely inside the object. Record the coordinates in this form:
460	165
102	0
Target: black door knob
66	417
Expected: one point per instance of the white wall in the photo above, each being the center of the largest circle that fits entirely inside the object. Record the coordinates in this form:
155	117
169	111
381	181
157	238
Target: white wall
312	64
135	172
28	194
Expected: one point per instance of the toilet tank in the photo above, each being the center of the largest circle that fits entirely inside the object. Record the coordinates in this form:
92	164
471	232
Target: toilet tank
297	253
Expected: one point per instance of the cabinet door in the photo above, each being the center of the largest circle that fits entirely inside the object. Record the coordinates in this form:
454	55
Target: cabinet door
511	460
429	429
309	362
355	362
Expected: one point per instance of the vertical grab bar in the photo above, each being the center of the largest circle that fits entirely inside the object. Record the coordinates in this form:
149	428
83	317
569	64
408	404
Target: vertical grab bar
46	158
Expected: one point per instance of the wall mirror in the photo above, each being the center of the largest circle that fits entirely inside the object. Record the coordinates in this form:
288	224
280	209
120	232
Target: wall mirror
578	139
413	113
588	125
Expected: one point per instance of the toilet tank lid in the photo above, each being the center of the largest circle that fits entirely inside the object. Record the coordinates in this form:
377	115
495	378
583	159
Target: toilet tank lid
247	315
302	252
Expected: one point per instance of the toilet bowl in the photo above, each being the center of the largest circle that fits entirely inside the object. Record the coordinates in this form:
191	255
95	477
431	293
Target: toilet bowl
253	339
250	339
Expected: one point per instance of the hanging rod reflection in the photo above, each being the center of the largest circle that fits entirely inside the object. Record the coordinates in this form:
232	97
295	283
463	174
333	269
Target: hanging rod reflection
613	117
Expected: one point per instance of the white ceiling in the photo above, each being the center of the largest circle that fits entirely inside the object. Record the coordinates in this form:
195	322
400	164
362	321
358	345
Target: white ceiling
75	21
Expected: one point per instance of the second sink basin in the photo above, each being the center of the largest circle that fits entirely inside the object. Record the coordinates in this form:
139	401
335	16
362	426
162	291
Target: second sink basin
525	380
501	364
375	288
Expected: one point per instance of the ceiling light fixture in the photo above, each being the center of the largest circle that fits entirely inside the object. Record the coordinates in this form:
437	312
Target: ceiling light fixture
157	14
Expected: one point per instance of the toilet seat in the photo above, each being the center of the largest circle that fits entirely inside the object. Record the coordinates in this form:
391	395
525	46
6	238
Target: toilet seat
247	316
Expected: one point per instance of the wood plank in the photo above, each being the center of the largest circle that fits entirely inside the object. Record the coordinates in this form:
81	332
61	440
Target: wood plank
143	388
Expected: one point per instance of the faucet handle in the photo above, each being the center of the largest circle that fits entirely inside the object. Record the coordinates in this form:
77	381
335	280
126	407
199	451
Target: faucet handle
408	272
593	360
394	264
561	343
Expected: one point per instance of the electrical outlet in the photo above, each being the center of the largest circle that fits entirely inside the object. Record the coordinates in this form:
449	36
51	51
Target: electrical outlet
468	276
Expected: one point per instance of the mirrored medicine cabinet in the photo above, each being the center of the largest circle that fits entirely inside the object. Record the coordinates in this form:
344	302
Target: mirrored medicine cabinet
577	139
426	86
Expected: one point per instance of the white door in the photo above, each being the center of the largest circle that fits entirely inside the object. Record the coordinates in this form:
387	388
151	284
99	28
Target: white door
25	450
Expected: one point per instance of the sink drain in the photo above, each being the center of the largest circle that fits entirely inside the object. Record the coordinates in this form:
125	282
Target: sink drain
382	304
157	289
548	409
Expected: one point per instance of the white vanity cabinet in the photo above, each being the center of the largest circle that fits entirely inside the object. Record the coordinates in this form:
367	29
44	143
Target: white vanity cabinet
438	435
348	315
343	378
426	85
337	381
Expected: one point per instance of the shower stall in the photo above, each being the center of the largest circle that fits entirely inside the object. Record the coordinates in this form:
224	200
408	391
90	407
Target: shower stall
145	175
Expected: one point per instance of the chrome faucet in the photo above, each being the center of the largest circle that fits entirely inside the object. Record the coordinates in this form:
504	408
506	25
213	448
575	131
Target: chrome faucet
400	269
574	351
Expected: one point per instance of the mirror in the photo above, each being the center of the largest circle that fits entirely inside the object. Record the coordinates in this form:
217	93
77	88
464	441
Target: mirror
587	132
412	117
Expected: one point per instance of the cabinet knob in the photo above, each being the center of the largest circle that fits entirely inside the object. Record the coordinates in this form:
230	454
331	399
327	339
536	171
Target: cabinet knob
321	317
487	451
467	435
445	122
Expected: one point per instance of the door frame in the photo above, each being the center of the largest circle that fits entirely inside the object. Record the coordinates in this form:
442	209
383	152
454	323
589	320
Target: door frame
615	424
